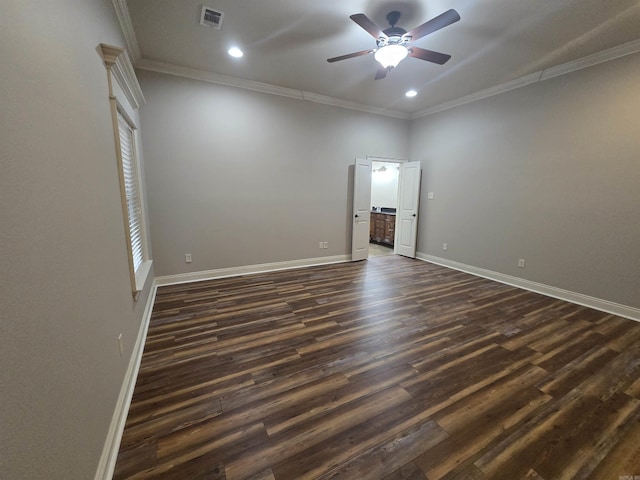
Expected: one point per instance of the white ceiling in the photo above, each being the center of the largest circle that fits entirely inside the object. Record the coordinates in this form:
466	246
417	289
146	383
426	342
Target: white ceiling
286	43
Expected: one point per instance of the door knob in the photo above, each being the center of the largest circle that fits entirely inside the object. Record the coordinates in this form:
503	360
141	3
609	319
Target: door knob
413	215
356	215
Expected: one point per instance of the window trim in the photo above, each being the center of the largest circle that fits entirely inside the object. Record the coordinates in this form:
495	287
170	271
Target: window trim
116	65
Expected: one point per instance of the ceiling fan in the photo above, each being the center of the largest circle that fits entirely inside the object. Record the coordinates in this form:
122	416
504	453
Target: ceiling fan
394	43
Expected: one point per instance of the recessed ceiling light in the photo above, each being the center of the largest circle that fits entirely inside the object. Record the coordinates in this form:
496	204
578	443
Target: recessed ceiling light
411	93
235	52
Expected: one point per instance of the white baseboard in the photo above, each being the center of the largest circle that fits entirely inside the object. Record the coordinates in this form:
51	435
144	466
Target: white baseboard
249	269
109	455
559	293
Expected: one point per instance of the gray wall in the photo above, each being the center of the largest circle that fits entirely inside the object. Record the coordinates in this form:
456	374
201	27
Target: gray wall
549	173
64	284
236	177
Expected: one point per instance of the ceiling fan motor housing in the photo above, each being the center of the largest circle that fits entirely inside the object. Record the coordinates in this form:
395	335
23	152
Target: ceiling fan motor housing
393	17
395	36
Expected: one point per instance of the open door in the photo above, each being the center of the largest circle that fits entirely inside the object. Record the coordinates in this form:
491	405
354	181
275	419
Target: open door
361	210
407	213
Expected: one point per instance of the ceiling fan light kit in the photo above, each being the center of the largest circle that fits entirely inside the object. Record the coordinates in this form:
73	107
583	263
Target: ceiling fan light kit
393	43
390	56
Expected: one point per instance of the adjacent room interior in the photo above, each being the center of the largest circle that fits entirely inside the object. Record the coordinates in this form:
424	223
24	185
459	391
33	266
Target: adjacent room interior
384	205
179	296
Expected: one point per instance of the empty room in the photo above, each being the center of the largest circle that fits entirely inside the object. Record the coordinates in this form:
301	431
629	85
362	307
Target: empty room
366	239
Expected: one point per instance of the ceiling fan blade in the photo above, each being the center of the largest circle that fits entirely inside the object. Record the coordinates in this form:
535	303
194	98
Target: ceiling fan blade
436	23
349	55
429	55
381	73
366	23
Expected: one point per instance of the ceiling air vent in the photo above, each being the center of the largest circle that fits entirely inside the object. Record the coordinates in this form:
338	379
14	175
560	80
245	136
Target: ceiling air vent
211	18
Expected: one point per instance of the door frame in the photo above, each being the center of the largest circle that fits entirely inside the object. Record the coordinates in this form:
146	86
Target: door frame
375	158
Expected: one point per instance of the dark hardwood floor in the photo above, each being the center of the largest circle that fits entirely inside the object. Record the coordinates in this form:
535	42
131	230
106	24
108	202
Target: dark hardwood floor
386	369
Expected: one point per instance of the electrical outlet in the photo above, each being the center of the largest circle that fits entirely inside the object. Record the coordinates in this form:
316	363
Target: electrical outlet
521	263
187	258
445	246
120	344
325	245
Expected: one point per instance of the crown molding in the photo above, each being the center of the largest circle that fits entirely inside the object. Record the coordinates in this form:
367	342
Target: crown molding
210	77
135	57
625	49
126	25
473	97
539	76
336	102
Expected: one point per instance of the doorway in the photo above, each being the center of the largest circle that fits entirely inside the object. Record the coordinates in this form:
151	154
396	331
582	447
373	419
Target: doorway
385	176
394	226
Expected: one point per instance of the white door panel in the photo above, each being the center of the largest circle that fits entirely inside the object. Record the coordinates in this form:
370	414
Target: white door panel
361	210
407	213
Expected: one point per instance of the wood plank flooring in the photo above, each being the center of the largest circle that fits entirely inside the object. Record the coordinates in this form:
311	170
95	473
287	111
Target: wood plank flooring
386	369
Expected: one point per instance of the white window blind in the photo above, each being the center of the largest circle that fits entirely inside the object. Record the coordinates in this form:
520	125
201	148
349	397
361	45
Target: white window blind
131	186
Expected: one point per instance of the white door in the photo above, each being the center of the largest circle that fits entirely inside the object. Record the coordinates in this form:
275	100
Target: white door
361	210
407	213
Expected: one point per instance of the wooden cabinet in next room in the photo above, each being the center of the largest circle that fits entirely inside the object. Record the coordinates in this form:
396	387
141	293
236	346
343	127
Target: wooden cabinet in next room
382	228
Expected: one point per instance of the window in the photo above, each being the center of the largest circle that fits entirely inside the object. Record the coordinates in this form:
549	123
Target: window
131	190
125	98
